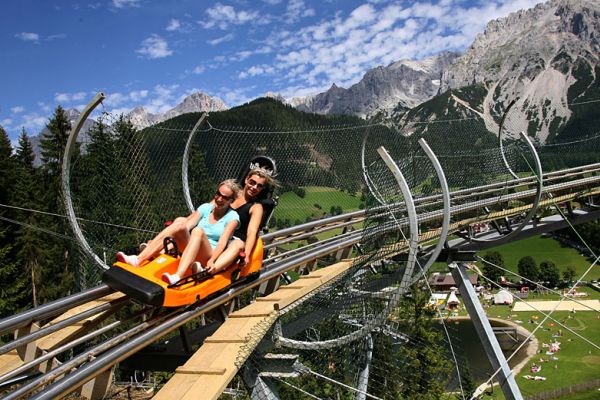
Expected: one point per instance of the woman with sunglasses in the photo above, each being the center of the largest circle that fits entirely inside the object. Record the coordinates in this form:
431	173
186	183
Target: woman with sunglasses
257	185
202	235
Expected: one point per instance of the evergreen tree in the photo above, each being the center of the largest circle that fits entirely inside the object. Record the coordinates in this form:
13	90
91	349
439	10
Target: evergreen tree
7	164
528	268
11	284
490	270
133	207
426	370
30	243
60	252
468	382
549	273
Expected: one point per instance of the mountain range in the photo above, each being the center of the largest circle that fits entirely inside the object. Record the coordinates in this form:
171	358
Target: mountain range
196	102
545	60
542	61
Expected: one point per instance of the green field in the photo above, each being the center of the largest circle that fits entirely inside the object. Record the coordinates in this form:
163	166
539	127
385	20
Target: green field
317	201
578	361
545	248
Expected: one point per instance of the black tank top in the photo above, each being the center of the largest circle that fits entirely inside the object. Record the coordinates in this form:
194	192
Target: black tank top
244	213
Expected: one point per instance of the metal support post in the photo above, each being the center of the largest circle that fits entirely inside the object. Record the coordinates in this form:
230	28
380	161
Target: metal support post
484	331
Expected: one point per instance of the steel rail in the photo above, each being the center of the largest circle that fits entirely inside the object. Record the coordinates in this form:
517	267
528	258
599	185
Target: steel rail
88	356
101	362
53	308
536	200
185	164
438	198
66	180
271	270
117	354
48	329
67	346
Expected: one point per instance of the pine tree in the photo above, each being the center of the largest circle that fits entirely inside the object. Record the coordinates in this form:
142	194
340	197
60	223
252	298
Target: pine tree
7	163
134	192
60	251
30	244
425	369
11	280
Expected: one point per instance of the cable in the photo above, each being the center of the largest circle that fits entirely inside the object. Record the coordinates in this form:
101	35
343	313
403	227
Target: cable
541	323
79	218
299	389
306	369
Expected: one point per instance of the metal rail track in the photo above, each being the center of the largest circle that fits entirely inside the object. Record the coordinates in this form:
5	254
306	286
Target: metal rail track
122	345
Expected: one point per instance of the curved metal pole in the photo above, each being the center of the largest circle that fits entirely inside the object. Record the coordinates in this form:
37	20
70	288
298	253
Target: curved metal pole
365	172
395	295
446	202
185	163
412	216
66	176
512	103
536	202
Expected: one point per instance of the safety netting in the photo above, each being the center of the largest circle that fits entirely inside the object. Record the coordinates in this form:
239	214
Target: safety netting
372	332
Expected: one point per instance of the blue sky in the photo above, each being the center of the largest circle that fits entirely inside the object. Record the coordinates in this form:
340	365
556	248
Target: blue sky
153	53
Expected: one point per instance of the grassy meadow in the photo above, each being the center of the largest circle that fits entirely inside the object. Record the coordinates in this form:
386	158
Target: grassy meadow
546	248
317	201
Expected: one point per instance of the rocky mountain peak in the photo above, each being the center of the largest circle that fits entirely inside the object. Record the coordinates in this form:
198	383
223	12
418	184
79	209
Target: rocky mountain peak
382	88
195	102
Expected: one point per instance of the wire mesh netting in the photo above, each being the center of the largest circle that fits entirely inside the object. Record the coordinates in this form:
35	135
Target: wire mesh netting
320	334
369	333
126	183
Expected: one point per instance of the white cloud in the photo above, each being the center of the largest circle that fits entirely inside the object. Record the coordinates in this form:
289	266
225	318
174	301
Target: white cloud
221	39
138	95
116	99
163	98
198	69
222	16
28	36
17	109
257	70
272	2
296	9
66	98
154	47
236	95
33	123
126	3
174	25
344	47
5	123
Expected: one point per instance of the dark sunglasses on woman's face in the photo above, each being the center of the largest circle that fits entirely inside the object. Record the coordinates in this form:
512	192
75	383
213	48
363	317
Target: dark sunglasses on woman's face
252	182
221	195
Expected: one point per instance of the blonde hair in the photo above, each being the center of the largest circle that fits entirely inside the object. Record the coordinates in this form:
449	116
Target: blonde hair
232	185
266	175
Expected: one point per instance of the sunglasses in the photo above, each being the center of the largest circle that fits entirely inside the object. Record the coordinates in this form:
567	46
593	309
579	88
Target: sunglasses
221	195
252	182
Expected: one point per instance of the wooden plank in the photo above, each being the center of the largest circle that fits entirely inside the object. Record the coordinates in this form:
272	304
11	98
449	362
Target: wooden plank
9	361
206	374
73	331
